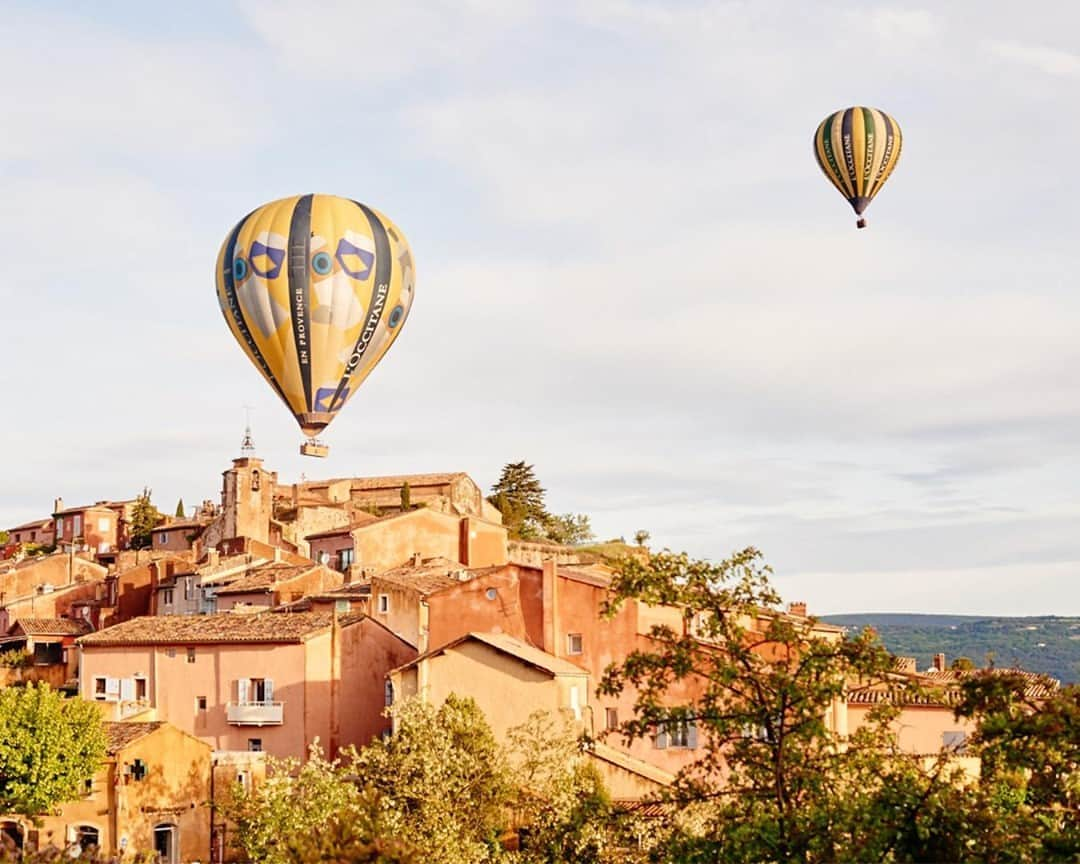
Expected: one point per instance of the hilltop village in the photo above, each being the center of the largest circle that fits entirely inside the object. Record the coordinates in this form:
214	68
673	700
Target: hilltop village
287	614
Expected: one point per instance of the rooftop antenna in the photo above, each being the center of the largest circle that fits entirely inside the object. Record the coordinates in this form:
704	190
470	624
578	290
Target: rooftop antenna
247	446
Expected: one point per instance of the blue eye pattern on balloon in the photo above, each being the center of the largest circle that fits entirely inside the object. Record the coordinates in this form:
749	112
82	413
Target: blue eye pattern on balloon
266	260
354	260
239	269
322	263
396	314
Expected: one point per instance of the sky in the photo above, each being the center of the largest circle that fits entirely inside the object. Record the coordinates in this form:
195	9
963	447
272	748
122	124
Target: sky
631	273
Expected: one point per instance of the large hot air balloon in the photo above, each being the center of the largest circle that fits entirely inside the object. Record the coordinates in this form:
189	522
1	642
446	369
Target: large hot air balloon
315	288
858	148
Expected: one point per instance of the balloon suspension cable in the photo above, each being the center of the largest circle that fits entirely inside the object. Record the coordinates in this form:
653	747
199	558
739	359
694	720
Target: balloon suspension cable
314	447
861	223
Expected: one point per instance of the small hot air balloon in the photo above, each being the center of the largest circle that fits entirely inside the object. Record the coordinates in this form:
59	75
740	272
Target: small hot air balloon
858	148
315	288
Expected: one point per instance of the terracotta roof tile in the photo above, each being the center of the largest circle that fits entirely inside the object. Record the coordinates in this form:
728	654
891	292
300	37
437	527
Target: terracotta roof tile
53	626
262	579
431	575
514	647
264	627
120	735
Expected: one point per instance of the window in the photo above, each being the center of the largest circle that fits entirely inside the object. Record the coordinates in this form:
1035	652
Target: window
187	588
190	655
88	786
163	538
346	559
254	481
324	557
255	745
254	691
954	740
76	525
100	684
140	689
200	703
384	603
388	693
678	734
59	526
611	718
167	596
491	593
86	836
341	606
574	643
103	523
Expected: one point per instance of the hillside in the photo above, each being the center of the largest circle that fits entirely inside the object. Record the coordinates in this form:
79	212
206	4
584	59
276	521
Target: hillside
1048	644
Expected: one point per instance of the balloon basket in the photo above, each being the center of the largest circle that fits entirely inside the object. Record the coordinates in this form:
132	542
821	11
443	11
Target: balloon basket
860	223
315	448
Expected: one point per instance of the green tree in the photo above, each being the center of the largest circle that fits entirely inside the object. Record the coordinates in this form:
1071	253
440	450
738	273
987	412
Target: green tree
519	496
312	812
49	747
567	814
442	780
774	781
406	497
145	517
4	538
179	509
641	537
570	529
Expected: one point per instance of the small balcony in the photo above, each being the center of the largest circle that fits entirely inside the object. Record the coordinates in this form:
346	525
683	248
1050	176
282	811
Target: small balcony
255	713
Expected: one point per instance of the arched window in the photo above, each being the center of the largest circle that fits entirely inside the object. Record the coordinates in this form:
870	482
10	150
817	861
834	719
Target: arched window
388	693
255	481
11	835
88	837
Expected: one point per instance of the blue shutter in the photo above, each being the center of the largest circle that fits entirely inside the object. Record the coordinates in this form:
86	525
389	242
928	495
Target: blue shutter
691	735
661	740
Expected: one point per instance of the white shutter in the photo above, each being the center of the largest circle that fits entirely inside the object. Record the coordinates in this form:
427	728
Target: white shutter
691	736
268	690
127	690
243	685
112	686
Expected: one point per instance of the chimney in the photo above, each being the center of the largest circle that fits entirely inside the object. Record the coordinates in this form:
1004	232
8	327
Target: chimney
907	665
939	662
797	608
417	559
549	605
58	505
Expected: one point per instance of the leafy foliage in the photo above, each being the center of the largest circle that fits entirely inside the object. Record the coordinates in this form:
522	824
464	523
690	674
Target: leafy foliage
406	497
179	509
519	496
313	812
145	517
49	747
569	529
775	781
641	537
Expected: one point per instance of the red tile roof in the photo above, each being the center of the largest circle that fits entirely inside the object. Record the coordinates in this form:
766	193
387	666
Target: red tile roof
120	735
224	627
52	626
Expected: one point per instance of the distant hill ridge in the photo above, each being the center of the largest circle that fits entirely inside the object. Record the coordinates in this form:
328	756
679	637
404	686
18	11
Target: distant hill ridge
1047	643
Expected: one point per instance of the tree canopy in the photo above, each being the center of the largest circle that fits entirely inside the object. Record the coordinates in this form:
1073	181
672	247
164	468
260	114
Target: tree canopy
777	781
519	496
145	517
49	747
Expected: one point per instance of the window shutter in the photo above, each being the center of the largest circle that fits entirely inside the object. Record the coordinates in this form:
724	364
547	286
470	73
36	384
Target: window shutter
243	685
112	686
268	690
691	735
661	738
127	690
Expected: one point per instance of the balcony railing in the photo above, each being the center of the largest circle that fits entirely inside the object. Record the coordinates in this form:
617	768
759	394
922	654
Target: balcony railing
255	713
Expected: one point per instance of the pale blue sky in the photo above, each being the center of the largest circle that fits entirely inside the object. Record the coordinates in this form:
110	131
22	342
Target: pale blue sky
630	271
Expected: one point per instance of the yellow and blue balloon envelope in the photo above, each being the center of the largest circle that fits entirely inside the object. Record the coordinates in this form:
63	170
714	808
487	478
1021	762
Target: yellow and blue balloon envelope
315	289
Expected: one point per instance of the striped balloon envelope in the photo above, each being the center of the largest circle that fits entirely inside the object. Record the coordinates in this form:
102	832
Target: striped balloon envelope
315	289
857	149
